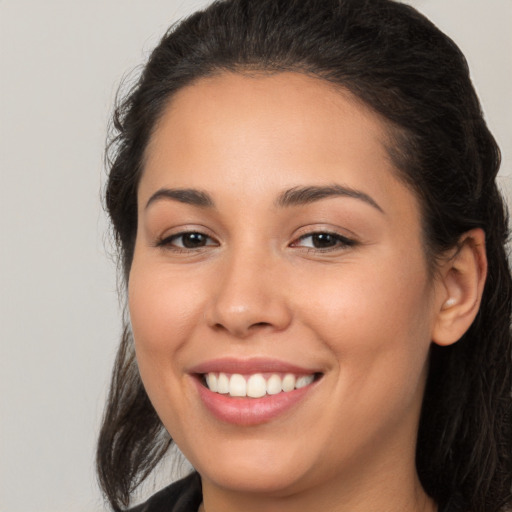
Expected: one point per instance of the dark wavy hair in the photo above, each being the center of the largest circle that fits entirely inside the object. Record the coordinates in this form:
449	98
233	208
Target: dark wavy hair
410	73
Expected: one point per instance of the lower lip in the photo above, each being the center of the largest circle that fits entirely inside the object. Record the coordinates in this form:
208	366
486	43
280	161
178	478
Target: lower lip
250	411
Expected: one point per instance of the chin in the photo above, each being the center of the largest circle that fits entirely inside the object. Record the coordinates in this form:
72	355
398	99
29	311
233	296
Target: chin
271	480
256	469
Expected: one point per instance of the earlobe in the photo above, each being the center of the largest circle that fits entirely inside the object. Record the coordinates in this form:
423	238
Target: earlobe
462	278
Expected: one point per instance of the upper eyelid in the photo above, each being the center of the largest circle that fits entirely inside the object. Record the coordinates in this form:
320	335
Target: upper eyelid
335	231
184	229
324	232
165	241
304	232
342	238
184	233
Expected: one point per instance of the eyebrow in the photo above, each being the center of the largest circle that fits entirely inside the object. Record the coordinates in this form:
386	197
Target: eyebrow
305	195
295	196
183	195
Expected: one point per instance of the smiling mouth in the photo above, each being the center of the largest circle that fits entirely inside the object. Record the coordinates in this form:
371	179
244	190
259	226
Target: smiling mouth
255	385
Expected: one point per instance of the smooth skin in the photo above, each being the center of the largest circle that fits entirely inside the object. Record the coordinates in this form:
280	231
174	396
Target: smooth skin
339	284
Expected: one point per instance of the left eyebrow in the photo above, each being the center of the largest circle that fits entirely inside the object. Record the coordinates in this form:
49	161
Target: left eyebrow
304	195
183	195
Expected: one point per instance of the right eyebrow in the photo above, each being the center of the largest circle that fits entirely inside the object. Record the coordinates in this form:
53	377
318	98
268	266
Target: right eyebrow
190	196
304	195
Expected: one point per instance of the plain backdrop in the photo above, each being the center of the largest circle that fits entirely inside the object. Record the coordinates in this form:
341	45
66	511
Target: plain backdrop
60	64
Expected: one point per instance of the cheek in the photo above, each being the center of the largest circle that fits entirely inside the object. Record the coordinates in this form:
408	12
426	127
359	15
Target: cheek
373	318
163	313
163	310
376	328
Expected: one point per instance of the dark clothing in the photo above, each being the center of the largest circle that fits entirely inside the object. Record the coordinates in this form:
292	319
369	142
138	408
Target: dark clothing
185	496
182	496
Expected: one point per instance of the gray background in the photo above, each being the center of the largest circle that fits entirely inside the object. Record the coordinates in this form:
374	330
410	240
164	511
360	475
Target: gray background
60	64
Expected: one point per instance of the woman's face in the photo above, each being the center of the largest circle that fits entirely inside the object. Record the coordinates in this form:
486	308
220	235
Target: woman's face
276	249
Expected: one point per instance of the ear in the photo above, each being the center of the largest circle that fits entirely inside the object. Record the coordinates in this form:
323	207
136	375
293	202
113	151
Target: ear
461	279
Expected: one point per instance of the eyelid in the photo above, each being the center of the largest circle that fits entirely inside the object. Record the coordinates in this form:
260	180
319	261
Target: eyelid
170	238
165	241
343	241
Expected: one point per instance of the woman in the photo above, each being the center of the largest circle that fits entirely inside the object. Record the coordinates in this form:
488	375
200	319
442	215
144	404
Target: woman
312	242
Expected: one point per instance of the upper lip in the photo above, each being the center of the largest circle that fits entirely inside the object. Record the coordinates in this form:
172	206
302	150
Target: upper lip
250	366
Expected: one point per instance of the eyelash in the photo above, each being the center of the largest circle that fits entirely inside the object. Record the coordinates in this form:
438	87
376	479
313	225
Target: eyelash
167	242
341	242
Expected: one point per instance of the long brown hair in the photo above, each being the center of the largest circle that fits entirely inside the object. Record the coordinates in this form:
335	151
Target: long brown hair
413	75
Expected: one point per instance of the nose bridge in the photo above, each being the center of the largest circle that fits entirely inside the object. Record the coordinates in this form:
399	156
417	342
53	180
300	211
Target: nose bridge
249	292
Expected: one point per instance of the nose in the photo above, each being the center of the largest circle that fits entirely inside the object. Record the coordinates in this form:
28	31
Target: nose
250	296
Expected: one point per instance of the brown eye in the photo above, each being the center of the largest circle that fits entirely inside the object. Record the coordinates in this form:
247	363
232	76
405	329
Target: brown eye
323	240
188	240
193	240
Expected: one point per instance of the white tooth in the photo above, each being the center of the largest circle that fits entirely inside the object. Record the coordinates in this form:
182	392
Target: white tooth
303	381
288	382
256	386
211	381
274	385
223	384
237	385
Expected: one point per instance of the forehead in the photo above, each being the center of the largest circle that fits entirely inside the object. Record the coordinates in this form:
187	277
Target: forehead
268	133
270	111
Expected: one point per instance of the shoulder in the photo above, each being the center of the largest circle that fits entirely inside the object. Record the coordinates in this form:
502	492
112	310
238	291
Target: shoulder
181	496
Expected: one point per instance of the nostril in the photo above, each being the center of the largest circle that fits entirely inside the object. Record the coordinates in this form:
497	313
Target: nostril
260	324
241	330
